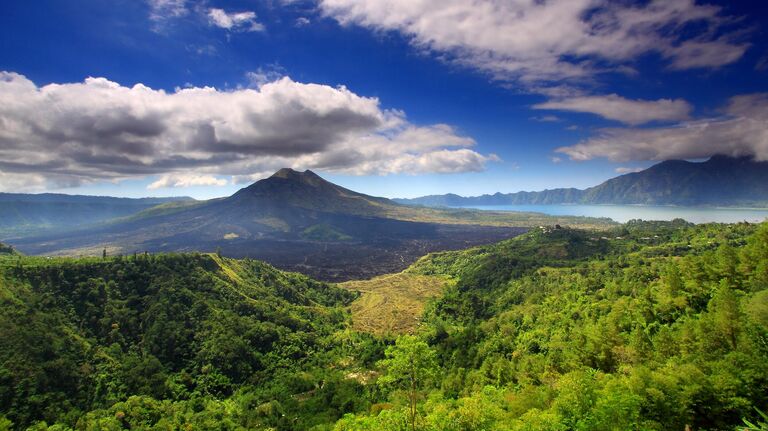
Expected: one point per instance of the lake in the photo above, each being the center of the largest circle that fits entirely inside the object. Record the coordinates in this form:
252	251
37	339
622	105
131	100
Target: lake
624	213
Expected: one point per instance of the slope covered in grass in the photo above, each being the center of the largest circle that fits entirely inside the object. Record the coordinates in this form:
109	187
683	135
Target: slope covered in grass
393	304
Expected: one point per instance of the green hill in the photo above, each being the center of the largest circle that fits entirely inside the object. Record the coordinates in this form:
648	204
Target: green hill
87	335
646	326
653	326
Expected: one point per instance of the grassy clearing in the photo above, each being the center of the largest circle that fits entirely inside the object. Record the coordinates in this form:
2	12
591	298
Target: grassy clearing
393	304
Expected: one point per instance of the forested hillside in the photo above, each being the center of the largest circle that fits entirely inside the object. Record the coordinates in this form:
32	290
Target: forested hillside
650	326
657	326
167	341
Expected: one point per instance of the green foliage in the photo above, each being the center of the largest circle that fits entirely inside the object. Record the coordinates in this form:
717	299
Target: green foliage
411	366
653	326
761	425
650	326
167	332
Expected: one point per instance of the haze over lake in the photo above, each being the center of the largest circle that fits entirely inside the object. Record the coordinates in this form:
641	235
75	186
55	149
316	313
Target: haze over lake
624	213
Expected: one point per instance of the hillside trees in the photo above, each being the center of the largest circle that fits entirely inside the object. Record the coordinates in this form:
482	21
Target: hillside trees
411	366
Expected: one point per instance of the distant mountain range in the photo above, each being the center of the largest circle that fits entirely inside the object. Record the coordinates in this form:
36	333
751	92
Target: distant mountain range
719	181
29	213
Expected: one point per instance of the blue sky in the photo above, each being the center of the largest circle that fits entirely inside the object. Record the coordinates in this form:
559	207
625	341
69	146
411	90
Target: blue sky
397	98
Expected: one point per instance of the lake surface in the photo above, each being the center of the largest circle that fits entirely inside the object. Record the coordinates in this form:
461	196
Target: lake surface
624	213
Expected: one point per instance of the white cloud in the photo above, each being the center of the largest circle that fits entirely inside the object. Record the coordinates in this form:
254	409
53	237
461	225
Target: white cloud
21	182
186	180
534	43
101	130
302	21
163	9
741	131
234	21
615	107
626	170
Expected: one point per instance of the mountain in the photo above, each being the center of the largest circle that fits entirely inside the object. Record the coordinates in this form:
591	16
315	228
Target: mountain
296	221
309	191
719	181
28	213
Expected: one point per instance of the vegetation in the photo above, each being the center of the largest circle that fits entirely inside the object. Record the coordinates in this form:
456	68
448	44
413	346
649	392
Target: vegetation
411	365
648	326
393	304
654	326
168	341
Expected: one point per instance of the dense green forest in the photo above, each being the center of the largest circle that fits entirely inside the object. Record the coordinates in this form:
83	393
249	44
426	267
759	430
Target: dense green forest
650	326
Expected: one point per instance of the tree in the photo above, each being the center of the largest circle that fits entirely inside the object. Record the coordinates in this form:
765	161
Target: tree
5	424
411	366
724	309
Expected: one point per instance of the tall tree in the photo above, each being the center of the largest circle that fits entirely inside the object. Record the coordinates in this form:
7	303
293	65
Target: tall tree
411	366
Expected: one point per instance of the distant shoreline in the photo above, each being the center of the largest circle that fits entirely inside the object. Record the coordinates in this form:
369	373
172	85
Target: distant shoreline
702	207
622	213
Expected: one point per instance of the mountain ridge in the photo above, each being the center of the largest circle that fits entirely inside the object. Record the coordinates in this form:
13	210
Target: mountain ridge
718	181
300	222
34	213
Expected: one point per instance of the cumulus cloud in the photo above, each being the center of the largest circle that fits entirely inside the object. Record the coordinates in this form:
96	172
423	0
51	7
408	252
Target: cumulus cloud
741	131
186	180
615	107
234	21
100	130
533	43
